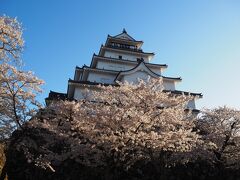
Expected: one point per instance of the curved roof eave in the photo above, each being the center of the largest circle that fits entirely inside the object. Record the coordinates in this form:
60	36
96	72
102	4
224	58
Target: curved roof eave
148	70
124	61
126	50
133	41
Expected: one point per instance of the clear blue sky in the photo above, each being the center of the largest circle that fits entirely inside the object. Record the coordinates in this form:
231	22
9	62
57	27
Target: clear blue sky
199	40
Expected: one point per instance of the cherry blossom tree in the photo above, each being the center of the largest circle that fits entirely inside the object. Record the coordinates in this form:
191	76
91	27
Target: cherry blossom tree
18	88
221	126
116	126
18	95
11	41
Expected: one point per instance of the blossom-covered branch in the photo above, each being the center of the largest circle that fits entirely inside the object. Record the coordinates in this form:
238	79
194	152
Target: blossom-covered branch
119	125
11	41
18	88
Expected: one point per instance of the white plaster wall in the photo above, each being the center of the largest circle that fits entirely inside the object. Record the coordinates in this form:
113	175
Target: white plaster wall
191	104
101	78
156	70
133	78
78	75
148	59
78	93
169	85
116	66
124	56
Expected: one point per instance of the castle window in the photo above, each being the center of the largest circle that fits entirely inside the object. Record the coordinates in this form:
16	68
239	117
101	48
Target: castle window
119	57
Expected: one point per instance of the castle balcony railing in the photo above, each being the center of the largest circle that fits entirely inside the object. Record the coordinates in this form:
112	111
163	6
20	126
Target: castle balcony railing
125	47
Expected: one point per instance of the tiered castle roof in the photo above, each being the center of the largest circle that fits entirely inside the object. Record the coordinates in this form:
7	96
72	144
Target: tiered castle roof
120	59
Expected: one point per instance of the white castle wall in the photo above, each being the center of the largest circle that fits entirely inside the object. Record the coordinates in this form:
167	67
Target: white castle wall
156	70
114	66
118	66
78	93
133	78
191	104
101	78
168	85
126	56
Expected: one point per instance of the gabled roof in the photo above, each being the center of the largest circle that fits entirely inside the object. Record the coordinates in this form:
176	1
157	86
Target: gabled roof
124	38
124	35
142	67
130	71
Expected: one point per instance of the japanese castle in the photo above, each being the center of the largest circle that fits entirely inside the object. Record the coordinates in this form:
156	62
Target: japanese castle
120	59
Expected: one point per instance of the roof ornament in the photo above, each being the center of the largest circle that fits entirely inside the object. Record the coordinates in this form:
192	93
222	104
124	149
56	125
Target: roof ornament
124	31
